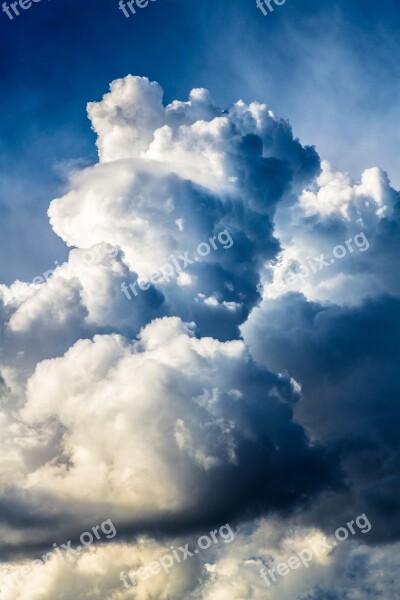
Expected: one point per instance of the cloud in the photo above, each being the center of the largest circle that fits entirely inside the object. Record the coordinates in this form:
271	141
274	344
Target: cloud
170	429
201	171
336	334
361	217
95	573
224	570
348	356
192	404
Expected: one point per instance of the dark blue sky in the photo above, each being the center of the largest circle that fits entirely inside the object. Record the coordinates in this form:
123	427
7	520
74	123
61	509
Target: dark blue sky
330	67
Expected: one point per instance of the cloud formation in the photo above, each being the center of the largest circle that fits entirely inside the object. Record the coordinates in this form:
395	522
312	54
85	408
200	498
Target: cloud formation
194	403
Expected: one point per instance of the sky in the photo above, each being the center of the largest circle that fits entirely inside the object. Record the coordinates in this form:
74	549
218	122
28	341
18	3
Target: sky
199	300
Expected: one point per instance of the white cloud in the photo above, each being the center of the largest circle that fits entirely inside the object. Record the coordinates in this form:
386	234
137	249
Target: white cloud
170	428
329	214
223	571
132	413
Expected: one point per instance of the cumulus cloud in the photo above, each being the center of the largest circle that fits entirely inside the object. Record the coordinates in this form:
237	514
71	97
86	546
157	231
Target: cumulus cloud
171	427
348	357
201	171
361	218
95	574
336	332
222	571
193	403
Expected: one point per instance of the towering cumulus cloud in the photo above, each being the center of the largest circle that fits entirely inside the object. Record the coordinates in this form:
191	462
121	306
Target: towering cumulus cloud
197	402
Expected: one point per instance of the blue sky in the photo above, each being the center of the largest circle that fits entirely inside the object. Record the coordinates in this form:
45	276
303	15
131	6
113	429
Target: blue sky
330	67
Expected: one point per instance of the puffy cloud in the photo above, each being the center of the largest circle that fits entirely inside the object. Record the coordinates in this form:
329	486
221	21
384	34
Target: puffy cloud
339	240
225	570
154	410
348	357
95	574
171	427
349	571
126	118
131	122
369	200
202	171
338	338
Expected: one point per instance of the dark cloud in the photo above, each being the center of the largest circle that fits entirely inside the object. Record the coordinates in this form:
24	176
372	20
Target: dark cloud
346	360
